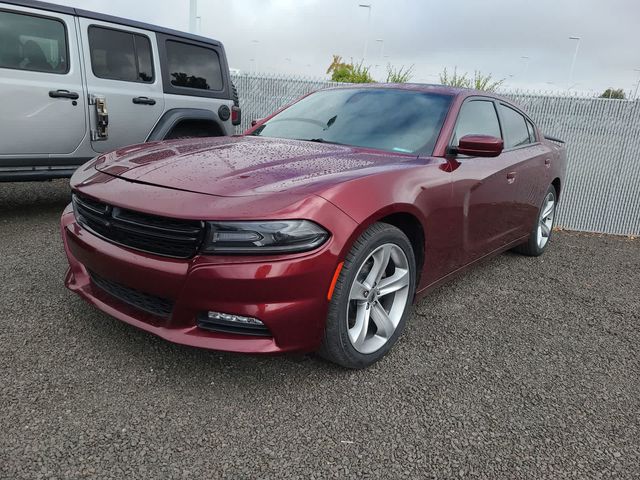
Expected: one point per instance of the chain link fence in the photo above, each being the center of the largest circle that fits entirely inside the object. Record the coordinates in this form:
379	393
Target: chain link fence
602	189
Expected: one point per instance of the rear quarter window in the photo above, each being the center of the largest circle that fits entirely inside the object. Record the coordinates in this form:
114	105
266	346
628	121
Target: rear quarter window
192	66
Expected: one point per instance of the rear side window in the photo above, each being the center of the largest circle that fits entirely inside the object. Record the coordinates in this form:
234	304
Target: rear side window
118	55
477	117
191	66
532	132
33	43
515	128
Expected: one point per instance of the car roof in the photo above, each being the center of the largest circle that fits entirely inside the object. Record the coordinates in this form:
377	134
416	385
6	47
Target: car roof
51	7
424	87
433	88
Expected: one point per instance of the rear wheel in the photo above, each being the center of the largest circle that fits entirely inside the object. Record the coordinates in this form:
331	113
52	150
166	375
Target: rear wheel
542	230
372	298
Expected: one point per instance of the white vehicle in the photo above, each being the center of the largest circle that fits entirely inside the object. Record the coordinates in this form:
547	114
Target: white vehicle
74	84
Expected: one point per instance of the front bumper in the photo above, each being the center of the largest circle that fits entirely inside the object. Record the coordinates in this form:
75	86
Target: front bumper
287	293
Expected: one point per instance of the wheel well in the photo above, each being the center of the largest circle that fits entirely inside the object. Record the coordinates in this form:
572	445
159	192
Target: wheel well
412	228
556	185
195	128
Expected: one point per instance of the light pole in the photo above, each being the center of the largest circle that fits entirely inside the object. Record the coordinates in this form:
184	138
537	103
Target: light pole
255	54
366	38
635	95
573	61
526	64
193	15
381	42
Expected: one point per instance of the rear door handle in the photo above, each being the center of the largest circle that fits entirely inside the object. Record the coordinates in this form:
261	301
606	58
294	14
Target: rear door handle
547	162
511	177
144	101
63	94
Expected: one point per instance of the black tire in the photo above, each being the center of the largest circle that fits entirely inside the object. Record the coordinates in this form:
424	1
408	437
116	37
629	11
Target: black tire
336	346
531	248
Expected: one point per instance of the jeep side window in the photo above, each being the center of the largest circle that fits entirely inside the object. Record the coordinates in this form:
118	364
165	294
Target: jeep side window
28	42
119	55
192	66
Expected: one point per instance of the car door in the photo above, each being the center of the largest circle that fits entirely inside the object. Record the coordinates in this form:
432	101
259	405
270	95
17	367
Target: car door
43	103
123	82
483	187
529	162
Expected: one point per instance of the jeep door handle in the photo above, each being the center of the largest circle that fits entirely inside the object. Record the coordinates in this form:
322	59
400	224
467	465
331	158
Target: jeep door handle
63	94
511	177
144	101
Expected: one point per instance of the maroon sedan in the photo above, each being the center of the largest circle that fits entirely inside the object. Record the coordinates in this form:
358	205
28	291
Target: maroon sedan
317	228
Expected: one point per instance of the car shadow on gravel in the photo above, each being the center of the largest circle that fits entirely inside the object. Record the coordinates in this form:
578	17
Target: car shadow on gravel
44	199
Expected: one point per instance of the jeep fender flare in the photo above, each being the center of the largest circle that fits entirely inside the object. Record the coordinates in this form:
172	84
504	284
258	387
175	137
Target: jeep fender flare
173	117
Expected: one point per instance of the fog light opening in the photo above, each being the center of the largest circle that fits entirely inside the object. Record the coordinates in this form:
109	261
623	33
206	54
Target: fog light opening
239	319
230	323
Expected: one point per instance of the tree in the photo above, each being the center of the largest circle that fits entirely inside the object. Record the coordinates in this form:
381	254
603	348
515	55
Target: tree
479	81
617	93
348	72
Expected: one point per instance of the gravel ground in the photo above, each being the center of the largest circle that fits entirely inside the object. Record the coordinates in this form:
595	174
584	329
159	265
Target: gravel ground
523	368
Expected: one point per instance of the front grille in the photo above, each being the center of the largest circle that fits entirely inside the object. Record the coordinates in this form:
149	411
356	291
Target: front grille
169	237
160	307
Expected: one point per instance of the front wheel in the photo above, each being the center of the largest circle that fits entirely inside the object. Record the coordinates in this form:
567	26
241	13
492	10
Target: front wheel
541	233
372	298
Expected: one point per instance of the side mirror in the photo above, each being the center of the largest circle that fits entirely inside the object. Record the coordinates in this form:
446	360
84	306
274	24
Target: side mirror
480	146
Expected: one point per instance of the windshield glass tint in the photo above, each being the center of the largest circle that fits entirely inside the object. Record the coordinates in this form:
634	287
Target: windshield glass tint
387	119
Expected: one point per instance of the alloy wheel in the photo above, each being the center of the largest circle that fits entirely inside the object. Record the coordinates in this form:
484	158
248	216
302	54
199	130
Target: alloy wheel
378	298
545	222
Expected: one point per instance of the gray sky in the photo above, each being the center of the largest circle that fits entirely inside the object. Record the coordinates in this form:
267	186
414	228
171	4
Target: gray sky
299	36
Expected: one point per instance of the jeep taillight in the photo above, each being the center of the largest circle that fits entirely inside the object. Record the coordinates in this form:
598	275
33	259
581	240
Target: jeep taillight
236	117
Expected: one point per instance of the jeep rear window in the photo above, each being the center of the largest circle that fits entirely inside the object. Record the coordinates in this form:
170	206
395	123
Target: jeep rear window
29	42
120	55
191	66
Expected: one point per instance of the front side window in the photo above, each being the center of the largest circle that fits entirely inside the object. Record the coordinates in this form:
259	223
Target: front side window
191	66
515	128
477	117
386	119
119	55
33	43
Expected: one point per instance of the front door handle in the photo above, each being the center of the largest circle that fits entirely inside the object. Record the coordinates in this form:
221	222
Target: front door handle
144	101
63	94
511	177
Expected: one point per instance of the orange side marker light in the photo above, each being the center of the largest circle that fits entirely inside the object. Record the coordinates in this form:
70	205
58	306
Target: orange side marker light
334	280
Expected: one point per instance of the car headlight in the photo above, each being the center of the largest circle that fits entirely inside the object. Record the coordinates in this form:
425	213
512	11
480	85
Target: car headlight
269	236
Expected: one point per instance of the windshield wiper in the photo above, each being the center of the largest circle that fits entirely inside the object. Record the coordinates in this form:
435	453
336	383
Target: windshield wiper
319	140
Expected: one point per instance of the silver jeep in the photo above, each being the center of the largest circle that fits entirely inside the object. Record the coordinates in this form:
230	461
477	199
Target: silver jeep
74	84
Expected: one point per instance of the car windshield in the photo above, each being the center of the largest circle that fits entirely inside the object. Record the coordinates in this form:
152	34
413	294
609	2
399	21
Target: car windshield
394	120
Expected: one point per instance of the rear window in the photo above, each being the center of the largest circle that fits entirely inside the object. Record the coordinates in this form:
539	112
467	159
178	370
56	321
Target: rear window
191	66
119	55
33	43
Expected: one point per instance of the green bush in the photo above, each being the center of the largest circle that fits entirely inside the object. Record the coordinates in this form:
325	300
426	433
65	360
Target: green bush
349	72
400	75
479	80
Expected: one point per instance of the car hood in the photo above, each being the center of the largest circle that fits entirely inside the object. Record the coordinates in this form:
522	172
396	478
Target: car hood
243	165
